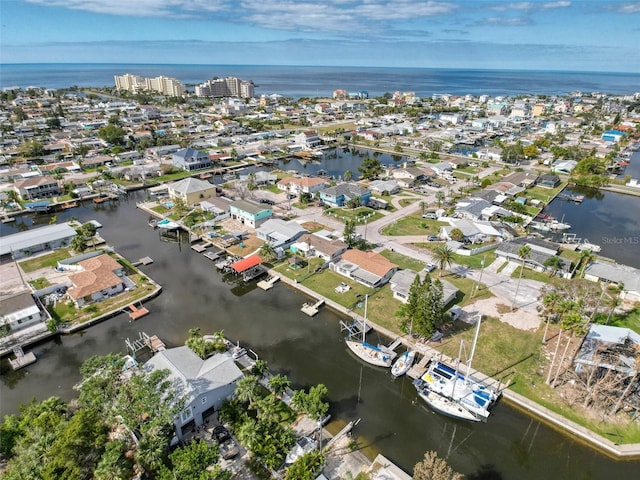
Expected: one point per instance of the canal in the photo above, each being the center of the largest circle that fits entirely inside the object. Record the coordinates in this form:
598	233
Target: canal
308	351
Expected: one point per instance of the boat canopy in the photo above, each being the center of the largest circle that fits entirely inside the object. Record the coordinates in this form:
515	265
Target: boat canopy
246	263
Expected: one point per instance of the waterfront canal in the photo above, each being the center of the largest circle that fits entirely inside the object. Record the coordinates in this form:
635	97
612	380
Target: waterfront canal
309	351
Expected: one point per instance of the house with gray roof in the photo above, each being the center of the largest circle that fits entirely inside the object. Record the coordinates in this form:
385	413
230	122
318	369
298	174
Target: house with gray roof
473	231
24	244
339	195
541	251
191	190
203	384
250	213
313	245
18	312
280	233
379	186
190	159
616	273
403	279
472	208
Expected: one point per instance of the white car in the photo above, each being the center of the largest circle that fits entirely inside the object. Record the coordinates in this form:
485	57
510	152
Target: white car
429	267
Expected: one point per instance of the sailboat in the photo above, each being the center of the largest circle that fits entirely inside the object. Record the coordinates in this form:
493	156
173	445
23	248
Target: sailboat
403	363
450	393
379	356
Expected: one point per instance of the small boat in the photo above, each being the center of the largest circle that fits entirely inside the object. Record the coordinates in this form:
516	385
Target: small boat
403	363
379	356
303	446
442	404
168	224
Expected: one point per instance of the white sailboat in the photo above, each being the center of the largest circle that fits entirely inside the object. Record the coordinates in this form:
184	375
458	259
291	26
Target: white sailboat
403	363
450	393
379	356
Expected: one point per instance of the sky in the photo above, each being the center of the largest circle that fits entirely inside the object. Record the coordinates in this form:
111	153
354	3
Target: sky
570	35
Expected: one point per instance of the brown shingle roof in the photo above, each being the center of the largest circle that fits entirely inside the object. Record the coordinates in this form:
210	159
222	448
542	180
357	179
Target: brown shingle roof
97	275
370	261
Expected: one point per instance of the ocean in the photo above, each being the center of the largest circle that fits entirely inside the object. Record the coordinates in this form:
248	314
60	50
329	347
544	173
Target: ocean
314	81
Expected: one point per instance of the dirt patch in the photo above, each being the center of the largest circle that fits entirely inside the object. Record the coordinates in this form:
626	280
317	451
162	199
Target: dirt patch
494	307
314	226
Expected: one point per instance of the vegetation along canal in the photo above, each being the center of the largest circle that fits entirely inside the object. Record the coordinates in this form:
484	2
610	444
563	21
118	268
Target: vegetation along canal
309	351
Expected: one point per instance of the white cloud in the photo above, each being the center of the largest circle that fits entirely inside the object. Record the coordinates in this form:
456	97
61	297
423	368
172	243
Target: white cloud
506	21
529	6
550	5
629	8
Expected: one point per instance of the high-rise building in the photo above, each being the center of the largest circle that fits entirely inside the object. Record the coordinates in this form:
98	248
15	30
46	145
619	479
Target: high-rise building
226	87
165	85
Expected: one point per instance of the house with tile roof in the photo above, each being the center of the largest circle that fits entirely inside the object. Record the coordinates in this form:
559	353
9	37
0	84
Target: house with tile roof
368	268
100	277
37	187
204	385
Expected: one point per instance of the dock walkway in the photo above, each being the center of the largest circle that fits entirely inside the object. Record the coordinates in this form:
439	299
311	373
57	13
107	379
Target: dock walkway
312	309
268	283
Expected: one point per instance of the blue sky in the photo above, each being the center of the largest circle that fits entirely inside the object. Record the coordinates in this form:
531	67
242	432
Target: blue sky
583	35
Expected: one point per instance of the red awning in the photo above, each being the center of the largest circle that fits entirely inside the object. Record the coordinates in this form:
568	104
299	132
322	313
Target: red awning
246	263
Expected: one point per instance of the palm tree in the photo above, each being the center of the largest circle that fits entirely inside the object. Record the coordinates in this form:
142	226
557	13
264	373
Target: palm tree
550	302
523	252
247	388
440	196
444	257
586	257
259	368
267	252
279	384
347	175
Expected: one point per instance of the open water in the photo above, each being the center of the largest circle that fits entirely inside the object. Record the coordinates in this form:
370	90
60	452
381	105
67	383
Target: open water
312	81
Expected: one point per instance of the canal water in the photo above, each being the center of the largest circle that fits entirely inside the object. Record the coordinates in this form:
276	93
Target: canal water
608	219
309	351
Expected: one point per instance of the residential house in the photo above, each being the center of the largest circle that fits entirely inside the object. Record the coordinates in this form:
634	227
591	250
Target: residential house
623	275
203	384
403	279
37	187
96	161
381	186
250	213
339	195
548	180
220	207
604	346
299	185
368	268
311	245
409	176
100	277
18	312
522	179
190	159
191	190
307	140
280	233
473	231
541	251
24	244
472	208
564	166
442	168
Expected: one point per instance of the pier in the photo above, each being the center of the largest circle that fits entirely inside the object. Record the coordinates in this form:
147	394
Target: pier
137	312
22	359
311	309
143	261
268	283
143	341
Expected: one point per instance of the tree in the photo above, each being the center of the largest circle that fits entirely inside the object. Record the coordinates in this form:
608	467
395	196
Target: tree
247	389
259	368
267	252
113	464
523	252
306	467
410	310
349	234
79	243
311	403
347	175
444	257
370	168
279	384
112	134
191	461
554	263
440	197
456	234
434	468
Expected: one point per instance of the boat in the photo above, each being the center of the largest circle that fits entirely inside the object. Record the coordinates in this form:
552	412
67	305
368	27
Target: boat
168	224
302	446
447	391
403	363
379	356
553	226
587	245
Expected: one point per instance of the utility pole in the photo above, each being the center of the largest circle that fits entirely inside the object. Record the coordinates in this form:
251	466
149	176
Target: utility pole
480	279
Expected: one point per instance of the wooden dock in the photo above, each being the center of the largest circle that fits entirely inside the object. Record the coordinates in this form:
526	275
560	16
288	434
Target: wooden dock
268	283
200	247
311	309
143	341
22	359
137	312
155	344
143	261
213	255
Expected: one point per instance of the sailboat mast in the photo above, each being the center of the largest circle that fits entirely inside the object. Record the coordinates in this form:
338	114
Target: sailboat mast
475	340
364	320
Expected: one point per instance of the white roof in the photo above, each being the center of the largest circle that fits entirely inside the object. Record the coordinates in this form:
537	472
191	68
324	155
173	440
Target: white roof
36	236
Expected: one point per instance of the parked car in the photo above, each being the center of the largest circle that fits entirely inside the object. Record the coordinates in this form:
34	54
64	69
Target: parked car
430	215
229	449
267	201
220	434
433	238
291	195
429	267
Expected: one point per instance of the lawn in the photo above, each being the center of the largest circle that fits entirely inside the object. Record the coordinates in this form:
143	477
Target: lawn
40	283
48	260
408	201
471	261
465	285
413	225
543	194
404	262
532	275
360	214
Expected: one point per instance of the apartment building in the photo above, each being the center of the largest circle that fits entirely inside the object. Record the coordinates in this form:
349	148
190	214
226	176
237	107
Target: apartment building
165	85
226	87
